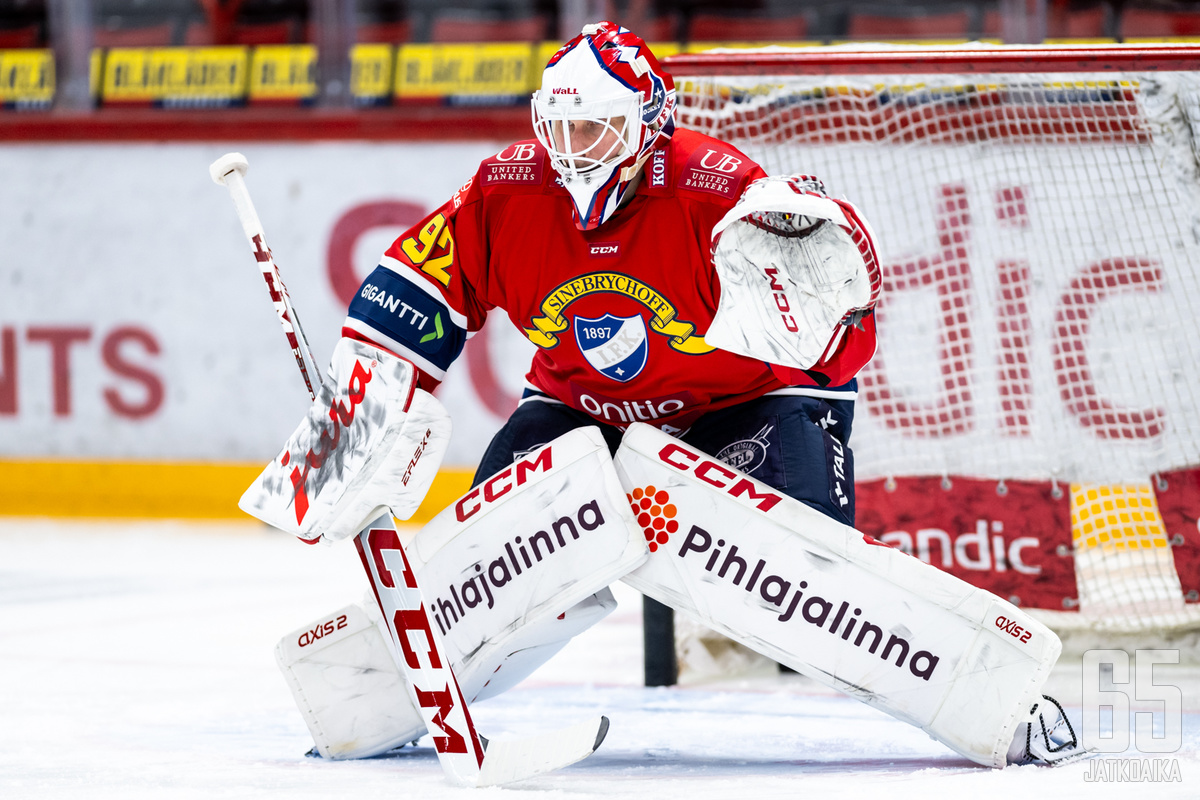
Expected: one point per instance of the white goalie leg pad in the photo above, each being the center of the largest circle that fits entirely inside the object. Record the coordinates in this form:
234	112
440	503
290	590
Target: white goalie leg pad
533	540
344	676
793	265
510	573
370	441
854	614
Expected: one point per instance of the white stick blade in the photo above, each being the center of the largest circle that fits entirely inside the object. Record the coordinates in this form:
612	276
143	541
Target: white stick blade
508	761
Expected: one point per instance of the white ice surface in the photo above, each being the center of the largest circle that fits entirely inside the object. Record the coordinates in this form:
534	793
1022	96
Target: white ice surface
136	662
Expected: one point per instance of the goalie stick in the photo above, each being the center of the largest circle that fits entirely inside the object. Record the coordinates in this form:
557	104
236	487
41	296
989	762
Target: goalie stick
467	758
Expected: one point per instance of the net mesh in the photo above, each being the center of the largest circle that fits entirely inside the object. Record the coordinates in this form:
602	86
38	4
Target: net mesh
1038	235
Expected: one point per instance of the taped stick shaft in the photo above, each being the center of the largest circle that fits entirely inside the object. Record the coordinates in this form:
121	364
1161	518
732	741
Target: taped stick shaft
284	311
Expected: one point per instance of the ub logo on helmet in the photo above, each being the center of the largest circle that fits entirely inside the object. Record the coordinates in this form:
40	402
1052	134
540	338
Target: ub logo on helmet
604	105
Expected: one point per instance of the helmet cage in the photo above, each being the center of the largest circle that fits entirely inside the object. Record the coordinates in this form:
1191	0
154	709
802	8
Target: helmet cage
584	139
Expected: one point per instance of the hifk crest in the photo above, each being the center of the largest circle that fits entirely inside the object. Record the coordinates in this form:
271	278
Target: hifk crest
616	346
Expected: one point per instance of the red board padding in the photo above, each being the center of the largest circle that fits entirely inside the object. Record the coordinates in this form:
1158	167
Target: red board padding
1178	495
1007	542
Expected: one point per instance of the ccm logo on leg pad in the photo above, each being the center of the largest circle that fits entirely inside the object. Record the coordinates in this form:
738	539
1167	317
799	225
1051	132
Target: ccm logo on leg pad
714	473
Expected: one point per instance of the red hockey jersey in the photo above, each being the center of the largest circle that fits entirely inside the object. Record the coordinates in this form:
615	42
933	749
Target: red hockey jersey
618	313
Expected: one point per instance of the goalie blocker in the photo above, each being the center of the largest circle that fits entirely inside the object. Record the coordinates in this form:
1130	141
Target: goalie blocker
333	476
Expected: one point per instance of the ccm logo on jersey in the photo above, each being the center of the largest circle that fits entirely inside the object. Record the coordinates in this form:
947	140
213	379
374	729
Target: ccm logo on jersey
605	249
717	474
502	483
1014	630
324	629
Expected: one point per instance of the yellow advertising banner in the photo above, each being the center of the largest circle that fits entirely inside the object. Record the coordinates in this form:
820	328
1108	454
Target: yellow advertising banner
96	72
176	77
371	73
284	74
26	78
487	72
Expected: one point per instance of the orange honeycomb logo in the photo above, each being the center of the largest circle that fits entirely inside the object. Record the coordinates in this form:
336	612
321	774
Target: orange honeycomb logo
655	513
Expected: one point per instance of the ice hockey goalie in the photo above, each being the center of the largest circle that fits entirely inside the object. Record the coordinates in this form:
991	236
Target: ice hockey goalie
704	324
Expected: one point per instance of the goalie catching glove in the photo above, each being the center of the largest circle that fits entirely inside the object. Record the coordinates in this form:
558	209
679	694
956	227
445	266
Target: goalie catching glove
794	264
371	441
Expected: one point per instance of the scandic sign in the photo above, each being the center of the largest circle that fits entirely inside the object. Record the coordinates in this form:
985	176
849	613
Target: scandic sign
1016	543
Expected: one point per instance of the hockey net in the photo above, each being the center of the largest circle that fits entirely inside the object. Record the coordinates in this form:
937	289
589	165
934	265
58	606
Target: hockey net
1037	212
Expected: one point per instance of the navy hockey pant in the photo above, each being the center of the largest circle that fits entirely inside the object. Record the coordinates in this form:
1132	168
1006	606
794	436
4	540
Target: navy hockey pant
798	445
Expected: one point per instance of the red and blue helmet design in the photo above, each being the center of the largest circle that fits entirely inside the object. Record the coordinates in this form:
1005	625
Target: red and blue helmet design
604	104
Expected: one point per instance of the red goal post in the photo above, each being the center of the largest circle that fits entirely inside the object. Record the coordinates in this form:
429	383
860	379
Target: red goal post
1031	421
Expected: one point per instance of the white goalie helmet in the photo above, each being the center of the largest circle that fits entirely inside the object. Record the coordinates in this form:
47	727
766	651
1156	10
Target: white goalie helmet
603	104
